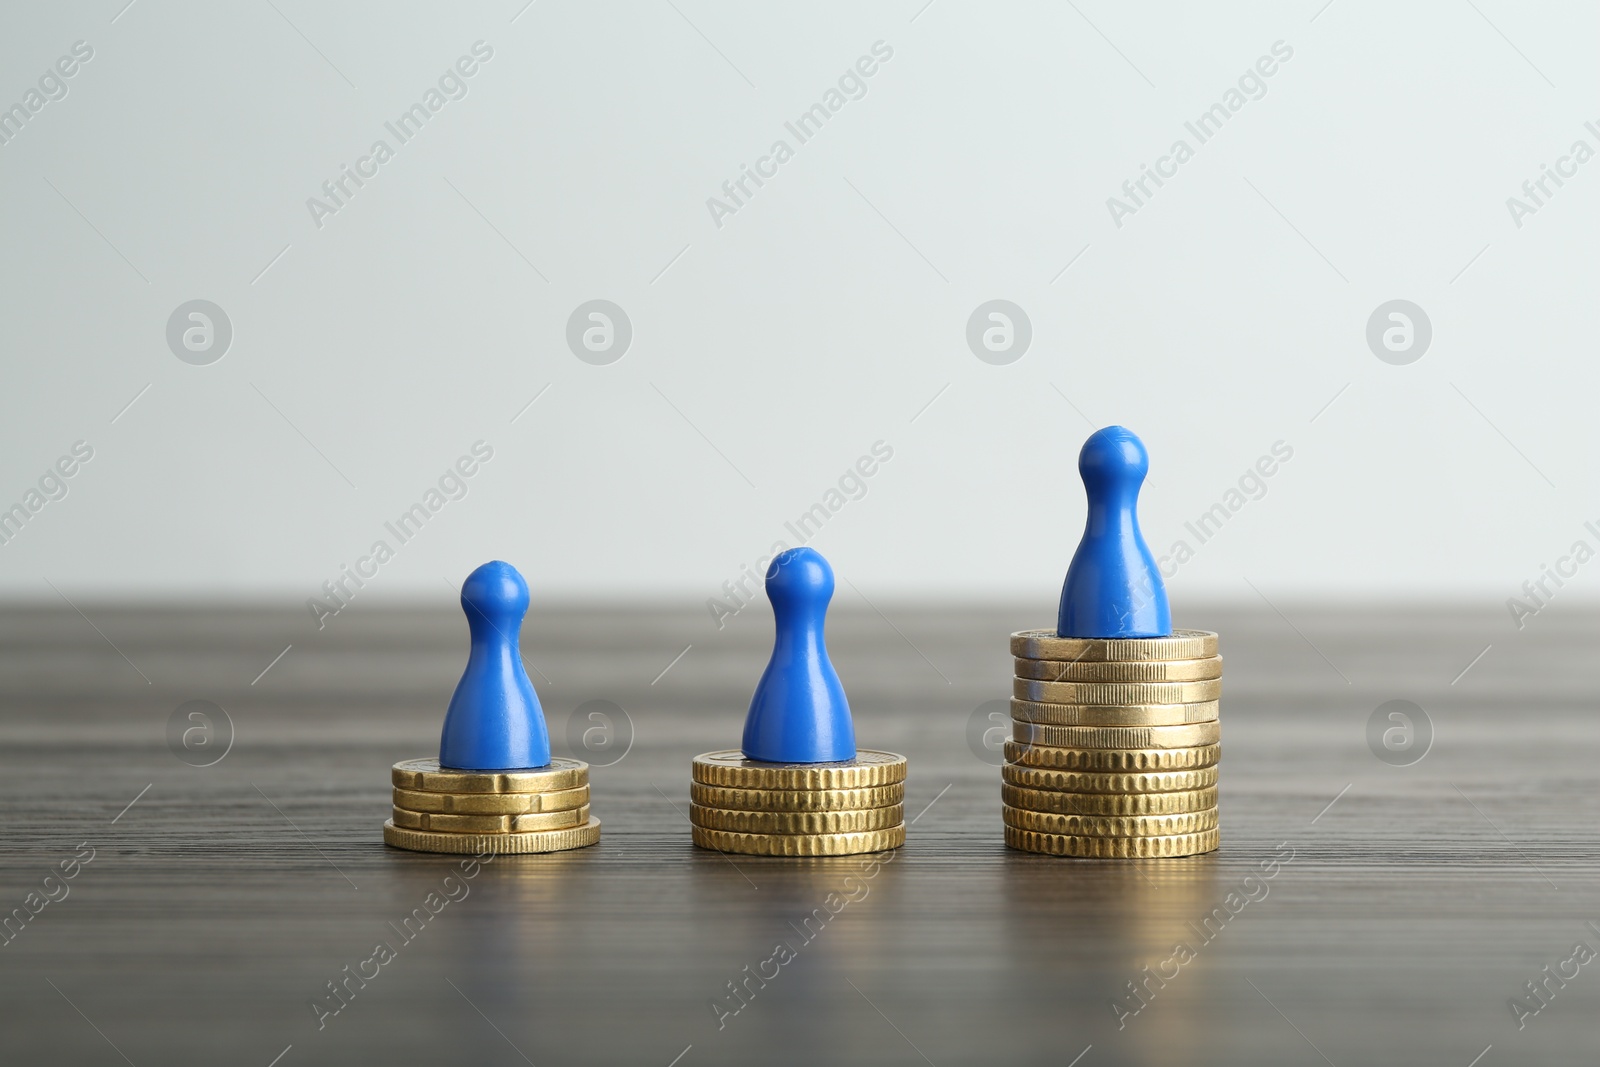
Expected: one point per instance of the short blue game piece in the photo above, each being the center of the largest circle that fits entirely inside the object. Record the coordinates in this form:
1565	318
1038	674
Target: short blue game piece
799	713
494	722
1113	588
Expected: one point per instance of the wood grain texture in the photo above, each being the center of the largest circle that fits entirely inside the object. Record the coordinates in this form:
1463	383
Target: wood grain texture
1418	902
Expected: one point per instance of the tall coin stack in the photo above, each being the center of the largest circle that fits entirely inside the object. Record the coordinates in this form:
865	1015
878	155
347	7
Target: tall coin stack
545	809
1115	745
798	809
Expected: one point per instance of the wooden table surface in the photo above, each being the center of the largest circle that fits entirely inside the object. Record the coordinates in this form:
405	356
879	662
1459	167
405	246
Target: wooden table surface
1410	908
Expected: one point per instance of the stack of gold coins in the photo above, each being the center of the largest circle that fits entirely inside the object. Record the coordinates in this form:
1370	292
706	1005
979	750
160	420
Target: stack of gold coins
798	809
545	809
1115	744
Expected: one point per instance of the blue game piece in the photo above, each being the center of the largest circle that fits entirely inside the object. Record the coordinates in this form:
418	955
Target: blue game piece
799	713
1113	588
494	722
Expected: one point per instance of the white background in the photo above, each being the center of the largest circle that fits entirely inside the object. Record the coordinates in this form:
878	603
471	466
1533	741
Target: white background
1227	314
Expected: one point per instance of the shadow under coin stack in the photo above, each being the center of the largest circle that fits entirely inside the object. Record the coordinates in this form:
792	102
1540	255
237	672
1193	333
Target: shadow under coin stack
1115	744
505	813
798	809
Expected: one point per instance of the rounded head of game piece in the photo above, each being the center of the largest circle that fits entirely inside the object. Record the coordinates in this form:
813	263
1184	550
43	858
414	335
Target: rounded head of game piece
1112	461
495	722
495	592
799	713
800	578
1113	587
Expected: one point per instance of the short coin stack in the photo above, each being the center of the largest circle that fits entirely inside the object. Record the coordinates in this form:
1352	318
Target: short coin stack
545	809
1115	744
798	809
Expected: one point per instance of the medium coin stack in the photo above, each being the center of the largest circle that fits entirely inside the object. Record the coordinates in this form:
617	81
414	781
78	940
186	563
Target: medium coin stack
505	812
798	809
1115	744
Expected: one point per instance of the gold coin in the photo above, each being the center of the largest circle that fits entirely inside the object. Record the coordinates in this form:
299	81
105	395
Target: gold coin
730	768
562	773
1073	825
1183	644
497	844
1060	803
797	822
491	803
489	824
1114	847
1102	760
1079	782
716	796
1170	670
1116	692
1183	735
801	844
1114	714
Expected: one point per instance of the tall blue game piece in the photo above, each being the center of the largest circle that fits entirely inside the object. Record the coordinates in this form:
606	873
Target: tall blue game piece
495	722
1113	588
799	713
